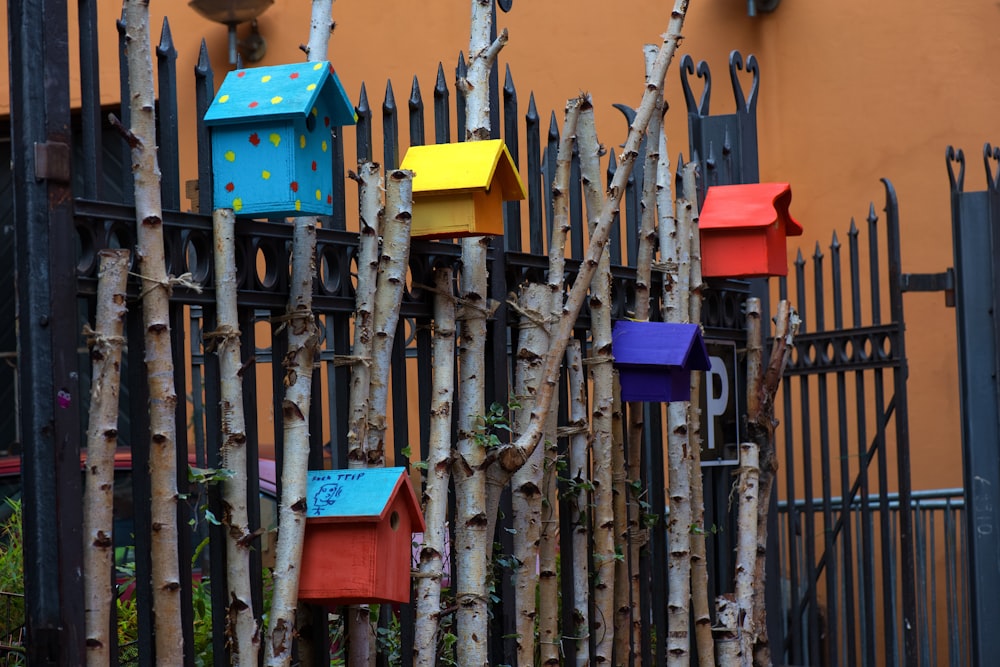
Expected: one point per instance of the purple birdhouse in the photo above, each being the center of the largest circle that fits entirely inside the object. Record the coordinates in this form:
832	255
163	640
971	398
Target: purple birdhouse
655	359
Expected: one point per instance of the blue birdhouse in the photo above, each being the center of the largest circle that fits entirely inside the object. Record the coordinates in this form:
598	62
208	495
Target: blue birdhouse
271	139
655	359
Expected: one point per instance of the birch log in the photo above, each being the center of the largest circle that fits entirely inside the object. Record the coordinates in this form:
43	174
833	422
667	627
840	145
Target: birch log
433	551
623	610
602	380
151	265
473	541
678	445
637	535
370	198
298	363
105	343
511	456
393	263
388	294
746	549
699	562
579	474
727	631
526	484
548	594
242	631
760	426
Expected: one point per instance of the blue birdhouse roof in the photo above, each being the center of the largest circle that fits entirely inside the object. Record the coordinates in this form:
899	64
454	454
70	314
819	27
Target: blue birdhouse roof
665	344
280	91
365	494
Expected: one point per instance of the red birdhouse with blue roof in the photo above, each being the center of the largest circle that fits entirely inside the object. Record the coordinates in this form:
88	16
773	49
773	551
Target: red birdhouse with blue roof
655	359
359	531
271	139
743	230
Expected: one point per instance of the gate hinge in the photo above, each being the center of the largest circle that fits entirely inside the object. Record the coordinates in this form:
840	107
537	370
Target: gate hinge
52	160
931	282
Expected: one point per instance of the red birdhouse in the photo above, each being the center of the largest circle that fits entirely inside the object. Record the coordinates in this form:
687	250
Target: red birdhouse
358	536
743	230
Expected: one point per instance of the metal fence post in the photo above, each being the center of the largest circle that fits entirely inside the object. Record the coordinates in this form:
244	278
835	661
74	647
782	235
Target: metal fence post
975	292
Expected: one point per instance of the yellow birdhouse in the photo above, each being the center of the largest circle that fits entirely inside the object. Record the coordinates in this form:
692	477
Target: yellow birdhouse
459	189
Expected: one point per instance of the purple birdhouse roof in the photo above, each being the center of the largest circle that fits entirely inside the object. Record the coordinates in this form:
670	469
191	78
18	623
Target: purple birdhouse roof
748	206
667	344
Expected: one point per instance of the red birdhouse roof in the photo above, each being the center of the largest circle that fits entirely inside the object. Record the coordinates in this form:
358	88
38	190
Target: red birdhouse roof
748	206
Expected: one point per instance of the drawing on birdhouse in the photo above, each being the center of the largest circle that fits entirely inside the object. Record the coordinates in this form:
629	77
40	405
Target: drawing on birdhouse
272	133
655	359
358	536
743	230
459	189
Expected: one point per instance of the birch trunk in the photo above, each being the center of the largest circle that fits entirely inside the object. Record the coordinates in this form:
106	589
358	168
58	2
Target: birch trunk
579	474
473	541
760	423
678	447
746	549
299	361
513	455
548	625
359	628
242	631
526	483
432	551
637	535
300	325
370	197
549	640
623	609
602	380
151	265
391	284
105	344
699	562
727	631
498	477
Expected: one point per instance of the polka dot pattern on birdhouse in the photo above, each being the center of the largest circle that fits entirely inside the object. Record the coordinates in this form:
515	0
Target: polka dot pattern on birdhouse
268	145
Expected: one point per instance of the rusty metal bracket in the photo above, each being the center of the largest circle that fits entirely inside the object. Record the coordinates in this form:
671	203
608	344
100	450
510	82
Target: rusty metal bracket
931	282
52	161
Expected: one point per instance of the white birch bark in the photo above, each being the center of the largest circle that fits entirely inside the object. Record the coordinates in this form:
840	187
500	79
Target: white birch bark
432	551
513	455
105	343
393	263
623	610
299	361
498	477
636	411
473	541
760	422
678	463
242	631
579	474
526	483
320	28
699	563
727	631
746	549
549	640
370	198
169	644
602	380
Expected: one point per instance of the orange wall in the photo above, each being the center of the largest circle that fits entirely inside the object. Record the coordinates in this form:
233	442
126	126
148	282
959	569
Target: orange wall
850	92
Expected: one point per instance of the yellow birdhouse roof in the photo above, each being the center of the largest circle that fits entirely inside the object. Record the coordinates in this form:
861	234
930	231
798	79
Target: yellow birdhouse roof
467	166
